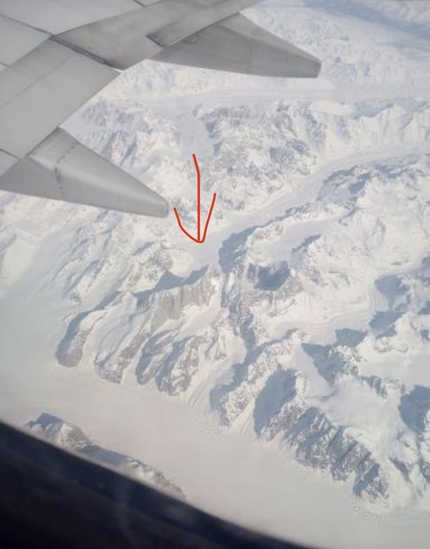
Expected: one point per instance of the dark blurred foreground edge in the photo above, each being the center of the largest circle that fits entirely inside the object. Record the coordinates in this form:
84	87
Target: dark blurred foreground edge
50	498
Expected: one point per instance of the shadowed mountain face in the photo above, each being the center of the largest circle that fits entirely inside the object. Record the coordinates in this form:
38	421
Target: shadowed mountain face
414	409
269	278
314	439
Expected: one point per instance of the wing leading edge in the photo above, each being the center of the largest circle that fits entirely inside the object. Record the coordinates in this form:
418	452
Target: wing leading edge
45	77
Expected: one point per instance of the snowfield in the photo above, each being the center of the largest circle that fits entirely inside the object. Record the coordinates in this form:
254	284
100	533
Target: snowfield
279	373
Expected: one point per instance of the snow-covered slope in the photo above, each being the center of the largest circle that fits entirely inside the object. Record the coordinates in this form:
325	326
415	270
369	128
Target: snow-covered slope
72	438
300	327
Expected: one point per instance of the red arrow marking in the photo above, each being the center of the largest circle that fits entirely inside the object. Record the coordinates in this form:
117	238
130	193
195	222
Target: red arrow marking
198	239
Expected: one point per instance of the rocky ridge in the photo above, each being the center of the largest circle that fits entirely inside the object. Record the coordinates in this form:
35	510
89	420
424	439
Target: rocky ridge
72	438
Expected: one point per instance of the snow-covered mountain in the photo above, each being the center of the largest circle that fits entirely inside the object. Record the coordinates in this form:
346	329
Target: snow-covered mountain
301	325
71	437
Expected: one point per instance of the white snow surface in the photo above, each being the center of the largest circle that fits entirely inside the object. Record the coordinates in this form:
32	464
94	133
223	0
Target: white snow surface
279	373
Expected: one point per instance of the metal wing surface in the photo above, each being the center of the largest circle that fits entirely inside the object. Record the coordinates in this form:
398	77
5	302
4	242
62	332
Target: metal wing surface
56	54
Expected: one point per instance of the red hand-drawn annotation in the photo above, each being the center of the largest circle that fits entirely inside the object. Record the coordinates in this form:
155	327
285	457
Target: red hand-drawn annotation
198	239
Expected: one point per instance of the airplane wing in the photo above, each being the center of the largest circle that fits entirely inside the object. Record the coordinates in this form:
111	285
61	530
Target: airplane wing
56	54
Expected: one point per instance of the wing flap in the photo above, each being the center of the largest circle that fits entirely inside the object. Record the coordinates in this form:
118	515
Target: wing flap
16	40
55	16
125	40
60	168
41	90
238	45
122	41
6	162
201	19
